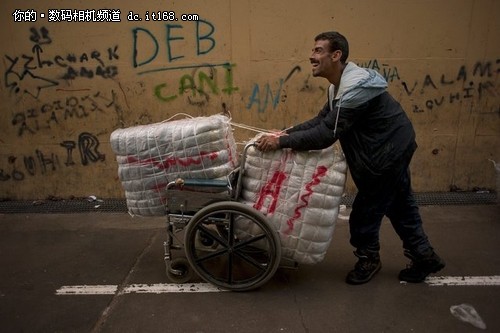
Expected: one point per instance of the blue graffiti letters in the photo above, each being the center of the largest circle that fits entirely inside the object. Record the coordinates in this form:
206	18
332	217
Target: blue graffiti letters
148	49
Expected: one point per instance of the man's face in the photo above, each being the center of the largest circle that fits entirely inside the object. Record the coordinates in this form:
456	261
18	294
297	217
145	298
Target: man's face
321	59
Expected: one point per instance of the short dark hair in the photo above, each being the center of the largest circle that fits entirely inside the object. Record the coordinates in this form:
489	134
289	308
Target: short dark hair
337	42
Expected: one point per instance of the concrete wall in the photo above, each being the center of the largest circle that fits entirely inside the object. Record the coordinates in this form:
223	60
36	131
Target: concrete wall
67	85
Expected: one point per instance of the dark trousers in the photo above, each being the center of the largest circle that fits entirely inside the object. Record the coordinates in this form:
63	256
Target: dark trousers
390	195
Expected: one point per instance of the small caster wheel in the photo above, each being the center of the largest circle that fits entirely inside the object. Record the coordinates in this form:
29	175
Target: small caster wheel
179	270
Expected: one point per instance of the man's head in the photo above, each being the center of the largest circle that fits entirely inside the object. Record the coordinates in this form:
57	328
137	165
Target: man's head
329	54
336	42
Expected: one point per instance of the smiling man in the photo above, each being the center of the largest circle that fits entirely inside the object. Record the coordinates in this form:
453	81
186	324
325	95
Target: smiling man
378	141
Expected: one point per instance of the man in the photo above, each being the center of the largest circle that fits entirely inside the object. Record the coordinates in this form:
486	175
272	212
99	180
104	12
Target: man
378	141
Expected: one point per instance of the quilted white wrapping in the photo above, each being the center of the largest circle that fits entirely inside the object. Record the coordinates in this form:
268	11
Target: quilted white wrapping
149	156
299	193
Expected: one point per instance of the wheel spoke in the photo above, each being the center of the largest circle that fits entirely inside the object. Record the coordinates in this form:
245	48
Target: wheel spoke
231	229
230	268
249	241
260	266
212	255
231	245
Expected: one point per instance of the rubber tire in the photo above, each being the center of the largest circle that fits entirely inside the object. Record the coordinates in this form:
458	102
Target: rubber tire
179	264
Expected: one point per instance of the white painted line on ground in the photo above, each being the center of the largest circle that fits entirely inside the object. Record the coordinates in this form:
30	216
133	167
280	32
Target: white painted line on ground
163	288
160	288
87	290
435	281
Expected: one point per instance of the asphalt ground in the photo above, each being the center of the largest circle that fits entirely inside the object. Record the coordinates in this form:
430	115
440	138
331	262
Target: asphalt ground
107	255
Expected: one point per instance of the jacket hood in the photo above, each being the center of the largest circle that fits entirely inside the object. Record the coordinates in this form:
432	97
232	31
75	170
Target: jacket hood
357	86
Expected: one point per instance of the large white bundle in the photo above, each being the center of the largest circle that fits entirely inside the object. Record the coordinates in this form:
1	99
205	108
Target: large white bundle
150	156
299	193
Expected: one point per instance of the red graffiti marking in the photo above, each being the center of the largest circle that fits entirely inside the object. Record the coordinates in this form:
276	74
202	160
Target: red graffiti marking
272	188
320	172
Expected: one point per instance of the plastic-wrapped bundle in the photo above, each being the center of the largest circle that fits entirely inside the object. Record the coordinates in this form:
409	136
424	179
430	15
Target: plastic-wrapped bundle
150	156
299	193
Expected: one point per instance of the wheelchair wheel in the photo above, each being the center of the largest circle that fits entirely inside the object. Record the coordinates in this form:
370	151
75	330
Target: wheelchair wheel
179	270
247	251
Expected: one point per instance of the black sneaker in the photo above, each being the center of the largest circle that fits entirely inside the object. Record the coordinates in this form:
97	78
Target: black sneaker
366	267
421	266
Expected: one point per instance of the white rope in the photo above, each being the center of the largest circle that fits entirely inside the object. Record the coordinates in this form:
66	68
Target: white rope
177	114
250	128
231	122
239	125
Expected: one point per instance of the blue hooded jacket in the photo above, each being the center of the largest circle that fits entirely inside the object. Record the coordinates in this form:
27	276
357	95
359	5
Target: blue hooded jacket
375	133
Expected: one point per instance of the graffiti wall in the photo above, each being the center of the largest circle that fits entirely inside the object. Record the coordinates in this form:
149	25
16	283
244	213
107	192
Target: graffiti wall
74	71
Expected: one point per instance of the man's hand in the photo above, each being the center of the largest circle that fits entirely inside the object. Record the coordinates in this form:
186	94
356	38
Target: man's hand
269	142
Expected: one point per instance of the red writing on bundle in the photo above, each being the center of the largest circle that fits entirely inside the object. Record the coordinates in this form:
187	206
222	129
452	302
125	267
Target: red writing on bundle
171	161
319	172
272	188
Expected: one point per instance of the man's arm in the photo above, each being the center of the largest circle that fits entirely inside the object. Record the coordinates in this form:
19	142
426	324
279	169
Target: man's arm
271	141
317	133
